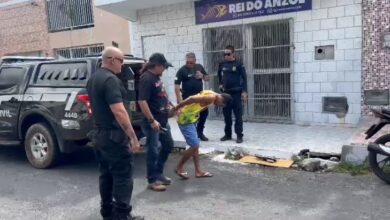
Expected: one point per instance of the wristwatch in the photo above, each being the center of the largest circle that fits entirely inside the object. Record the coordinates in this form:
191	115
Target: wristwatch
151	120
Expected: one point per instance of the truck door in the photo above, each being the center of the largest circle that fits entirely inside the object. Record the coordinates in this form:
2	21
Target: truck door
12	83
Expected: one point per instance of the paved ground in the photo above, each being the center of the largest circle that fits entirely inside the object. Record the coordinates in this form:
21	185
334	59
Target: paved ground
278	139
236	192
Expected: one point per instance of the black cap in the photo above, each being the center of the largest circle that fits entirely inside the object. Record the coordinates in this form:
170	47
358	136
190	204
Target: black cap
158	58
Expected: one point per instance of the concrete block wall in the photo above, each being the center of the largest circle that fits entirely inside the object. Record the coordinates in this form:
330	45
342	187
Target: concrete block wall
331	22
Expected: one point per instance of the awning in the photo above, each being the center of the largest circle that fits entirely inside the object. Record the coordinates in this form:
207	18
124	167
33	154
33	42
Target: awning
128	8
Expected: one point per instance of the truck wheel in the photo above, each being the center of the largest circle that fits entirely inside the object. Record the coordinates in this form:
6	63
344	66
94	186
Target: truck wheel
41	146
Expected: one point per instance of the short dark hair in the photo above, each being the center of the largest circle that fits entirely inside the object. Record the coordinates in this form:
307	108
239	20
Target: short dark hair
227	99
230	47
159	59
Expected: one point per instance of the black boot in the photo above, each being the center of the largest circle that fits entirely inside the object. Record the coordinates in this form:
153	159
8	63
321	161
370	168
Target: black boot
106	212
239	140
226	138
202	137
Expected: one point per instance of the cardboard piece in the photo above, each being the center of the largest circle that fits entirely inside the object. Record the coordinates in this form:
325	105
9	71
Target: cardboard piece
278	163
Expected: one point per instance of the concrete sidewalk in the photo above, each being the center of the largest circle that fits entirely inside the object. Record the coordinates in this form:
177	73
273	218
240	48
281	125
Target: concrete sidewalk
280	140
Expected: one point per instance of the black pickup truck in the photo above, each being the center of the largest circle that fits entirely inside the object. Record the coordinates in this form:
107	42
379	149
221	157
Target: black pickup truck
45	107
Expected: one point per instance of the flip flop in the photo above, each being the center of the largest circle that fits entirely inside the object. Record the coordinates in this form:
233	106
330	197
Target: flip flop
204	175
182	175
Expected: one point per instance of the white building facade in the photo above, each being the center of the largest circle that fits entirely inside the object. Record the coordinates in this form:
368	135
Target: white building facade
303	67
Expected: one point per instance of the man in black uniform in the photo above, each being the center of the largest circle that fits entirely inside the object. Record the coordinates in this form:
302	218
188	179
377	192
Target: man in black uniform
190	77
112	133
232	80
153	101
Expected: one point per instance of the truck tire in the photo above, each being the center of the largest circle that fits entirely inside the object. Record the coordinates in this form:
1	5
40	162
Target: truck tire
41	146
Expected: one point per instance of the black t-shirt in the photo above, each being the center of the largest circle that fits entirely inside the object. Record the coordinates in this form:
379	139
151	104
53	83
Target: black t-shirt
105	89
151	89
189	84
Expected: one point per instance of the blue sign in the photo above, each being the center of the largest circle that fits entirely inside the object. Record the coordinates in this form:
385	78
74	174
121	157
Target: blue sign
207	11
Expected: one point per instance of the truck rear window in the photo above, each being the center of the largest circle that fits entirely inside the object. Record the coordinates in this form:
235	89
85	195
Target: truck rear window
10	79
62	74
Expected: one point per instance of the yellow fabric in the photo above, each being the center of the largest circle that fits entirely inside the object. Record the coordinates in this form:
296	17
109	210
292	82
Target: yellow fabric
278	163
190	113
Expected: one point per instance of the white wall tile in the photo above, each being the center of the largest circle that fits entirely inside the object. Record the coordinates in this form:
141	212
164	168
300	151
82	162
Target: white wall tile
304	97
320	118
328	66
303	77
344	66
328	23
357	20
310	46
339	55
357	65
345	22
312	25
299	67
345	2
357	87
353	32
357	43
320	77
353	119
312	87
320	35
354	9
336	12
344	44
317	97
328	87
299	107
304	57
312	67
336	76
320	14
299	26
304	36
304	16
353	76
304	116
299	47
328	3
337	33
313	107
299	87
353	54
344	87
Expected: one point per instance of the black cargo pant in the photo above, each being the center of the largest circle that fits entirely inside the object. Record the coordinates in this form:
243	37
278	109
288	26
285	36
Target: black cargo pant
116	173
236	107
202	121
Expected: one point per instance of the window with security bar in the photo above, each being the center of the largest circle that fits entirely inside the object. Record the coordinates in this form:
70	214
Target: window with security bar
69	14
214	42
78	52
265	50
271	66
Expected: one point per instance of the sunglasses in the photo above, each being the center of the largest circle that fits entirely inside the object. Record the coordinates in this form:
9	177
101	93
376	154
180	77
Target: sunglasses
227	54
116	58
190	63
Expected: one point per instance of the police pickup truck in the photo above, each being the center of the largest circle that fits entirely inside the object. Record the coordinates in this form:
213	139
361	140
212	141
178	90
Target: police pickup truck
44	105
